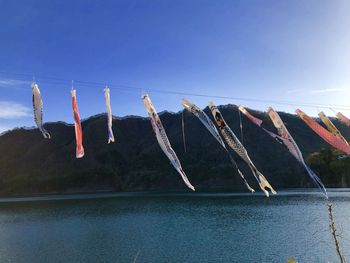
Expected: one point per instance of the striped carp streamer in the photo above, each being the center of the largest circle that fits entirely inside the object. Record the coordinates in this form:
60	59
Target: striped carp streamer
109	115
237	146
77	126
331	127
38	110
343	118
163	140
205	120
323	133
293	148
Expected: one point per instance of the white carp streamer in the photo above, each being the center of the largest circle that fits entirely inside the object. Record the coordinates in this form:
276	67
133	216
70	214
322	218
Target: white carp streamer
38	110
163	140
109	115
77	126
293	148
237	146
205	120
285	138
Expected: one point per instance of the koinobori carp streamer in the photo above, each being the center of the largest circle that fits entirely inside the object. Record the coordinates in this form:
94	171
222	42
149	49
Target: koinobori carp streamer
163	140
109	115
293	148
237	146
343	118
285	138
77	126
205	120
323	133
255	120
38	110
258	122
331	127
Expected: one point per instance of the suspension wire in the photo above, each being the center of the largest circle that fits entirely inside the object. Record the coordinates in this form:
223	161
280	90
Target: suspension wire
333	111
169	92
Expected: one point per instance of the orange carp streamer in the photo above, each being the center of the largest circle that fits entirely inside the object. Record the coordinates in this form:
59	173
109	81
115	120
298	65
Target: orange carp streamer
77	126
323	133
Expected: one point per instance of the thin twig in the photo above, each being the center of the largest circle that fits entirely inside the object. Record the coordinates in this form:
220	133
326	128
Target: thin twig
334	232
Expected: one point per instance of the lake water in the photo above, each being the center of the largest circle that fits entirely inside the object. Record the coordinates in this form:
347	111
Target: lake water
191	227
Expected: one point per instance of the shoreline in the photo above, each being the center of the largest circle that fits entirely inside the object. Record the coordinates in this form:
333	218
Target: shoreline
109	194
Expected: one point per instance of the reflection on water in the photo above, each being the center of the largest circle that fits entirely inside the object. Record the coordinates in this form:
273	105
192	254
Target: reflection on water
172	228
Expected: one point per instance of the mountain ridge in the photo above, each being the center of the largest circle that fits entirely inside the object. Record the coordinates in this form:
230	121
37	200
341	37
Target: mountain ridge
29	164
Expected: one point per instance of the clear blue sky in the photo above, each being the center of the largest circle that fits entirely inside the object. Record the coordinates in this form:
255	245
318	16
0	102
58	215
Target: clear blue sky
274	50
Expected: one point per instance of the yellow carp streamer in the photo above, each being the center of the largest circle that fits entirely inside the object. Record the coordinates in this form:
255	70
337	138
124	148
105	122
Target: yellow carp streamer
331	127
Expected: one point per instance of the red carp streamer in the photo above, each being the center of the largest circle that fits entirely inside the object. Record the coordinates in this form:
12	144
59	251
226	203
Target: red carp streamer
323	133
77	125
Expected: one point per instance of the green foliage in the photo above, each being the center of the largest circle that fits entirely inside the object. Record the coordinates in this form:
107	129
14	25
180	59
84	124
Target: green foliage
334	170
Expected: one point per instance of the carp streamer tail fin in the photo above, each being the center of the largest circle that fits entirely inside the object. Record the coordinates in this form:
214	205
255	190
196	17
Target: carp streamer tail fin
45	133
317	181
263	183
